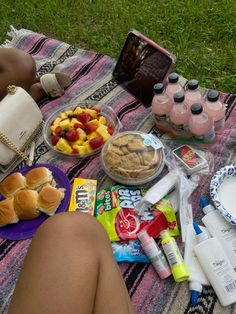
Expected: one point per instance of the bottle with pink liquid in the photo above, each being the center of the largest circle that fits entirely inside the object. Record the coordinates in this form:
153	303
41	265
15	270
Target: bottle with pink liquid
200	124
155	254
193	94
161	103
215	108
173	85
179	114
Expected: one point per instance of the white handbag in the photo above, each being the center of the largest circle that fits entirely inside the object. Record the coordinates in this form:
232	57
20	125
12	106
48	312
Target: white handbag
20	122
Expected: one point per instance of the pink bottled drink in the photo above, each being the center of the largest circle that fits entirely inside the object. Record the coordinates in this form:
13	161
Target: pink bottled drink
179	114
193	94
161	103
200	124
173	85
215	108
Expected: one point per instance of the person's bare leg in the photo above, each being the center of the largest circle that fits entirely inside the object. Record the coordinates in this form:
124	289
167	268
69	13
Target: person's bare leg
70	269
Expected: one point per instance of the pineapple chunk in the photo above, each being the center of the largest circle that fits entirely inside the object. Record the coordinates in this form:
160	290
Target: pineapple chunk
68	112
92	135
73	122
53	127
94	121
93	113
63	115
65	124
57	121
106	136
102	120
78	110
82	134
101	129
81	149
76	143
63	145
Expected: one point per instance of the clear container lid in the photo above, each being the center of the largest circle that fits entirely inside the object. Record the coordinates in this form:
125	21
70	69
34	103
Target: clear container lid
133	157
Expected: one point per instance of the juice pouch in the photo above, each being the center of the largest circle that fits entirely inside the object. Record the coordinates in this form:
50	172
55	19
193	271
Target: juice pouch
115	209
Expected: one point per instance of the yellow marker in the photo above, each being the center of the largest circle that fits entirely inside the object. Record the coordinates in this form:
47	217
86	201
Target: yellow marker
178	268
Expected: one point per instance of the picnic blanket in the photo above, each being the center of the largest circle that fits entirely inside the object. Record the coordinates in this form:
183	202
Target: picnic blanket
91	74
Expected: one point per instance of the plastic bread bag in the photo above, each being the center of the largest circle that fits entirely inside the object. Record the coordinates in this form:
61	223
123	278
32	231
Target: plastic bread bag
116	210
192	159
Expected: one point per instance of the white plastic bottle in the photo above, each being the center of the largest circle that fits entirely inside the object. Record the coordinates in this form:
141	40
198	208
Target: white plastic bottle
155	255
215	108
216	266
221	229
197	278
173	85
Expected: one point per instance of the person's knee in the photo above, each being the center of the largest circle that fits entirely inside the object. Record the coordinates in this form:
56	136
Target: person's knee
74	225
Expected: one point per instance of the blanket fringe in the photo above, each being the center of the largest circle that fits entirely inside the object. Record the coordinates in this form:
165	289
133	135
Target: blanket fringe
13	32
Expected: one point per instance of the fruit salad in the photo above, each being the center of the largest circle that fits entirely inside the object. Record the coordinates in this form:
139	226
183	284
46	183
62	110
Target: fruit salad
80	131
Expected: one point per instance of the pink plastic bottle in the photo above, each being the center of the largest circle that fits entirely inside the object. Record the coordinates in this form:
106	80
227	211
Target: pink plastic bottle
193	94
155	255
173	85
179	114
161	103
200	124
215	108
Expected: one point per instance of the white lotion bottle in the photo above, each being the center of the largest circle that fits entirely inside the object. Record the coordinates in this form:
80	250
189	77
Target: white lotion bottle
216	266
221	229
197	278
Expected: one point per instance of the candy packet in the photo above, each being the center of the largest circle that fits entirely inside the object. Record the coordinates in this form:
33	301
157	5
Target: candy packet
129	251
116	211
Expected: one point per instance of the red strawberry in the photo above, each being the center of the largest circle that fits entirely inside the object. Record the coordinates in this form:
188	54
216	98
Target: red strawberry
55	139
96	142
78	125
58	130
110	130
90	127
98	110
72	136
83	117
75	151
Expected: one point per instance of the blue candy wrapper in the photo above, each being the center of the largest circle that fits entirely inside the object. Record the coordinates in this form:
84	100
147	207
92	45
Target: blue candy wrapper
130	251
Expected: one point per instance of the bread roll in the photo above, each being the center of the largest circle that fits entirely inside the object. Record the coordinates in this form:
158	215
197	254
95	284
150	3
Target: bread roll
25	204
7	213
49	199
38	177
11	184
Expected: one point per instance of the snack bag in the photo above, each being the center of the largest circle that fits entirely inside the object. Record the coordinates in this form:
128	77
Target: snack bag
83	196
129	251
115	209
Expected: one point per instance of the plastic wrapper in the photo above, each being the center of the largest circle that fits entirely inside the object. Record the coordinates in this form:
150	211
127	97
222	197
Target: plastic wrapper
116	211
129	251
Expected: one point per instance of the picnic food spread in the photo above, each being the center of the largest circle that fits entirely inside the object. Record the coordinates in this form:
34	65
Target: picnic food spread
133	217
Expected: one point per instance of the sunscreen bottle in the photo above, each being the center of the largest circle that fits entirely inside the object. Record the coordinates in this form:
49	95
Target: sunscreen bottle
216	266
221	229
197	278
178	268
155	255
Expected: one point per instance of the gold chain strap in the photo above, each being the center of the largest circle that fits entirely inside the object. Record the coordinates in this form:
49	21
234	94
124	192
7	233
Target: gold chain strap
5	140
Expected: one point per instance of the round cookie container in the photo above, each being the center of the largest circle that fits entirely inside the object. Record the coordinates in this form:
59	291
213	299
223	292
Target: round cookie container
133	157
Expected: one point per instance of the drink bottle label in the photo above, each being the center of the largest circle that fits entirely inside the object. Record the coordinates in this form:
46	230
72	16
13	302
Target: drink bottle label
219	124
179	127
163	117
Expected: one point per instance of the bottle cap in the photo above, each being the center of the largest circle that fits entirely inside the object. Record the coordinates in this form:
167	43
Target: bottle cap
173	77
194	297
213	95
144	237
192	84
158	88
206	207
179	97
196	108
201	236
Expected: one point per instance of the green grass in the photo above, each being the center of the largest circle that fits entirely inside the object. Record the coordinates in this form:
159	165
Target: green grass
201	33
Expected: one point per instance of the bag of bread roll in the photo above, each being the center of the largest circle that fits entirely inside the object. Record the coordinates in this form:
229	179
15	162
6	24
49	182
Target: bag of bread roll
20	122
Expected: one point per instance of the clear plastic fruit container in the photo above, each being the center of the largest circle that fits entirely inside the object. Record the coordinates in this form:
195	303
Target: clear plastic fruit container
133	157
80	146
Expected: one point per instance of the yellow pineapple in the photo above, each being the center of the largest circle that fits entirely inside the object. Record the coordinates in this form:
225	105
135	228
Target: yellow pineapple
65	124
82	134
63	145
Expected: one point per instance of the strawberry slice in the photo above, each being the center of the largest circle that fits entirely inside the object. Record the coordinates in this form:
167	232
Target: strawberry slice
98	110
83	117
72	136
90	127
96	142
78	125
110	130
58	130
74	151
55	139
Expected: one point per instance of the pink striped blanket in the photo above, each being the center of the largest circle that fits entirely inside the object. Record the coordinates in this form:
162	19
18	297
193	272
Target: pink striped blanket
91	74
